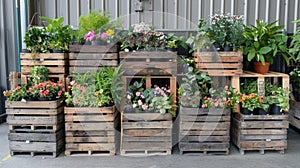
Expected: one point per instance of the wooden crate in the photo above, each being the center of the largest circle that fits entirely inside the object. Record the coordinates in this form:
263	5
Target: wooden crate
294	114
259	132
35	127
146	134
205	131
90	58
36	142
273	77
219	63
57	63
91	131
151	81
149	63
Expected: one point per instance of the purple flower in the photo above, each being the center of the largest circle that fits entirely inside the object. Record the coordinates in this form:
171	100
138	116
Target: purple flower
90	36
104	35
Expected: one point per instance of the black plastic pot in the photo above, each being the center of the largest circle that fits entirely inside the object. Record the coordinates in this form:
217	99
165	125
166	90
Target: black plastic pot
246	111
275	110
260	111
228	47
218	47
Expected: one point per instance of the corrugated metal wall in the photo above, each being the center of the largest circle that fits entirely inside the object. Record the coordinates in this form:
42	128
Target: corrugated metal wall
8	46
173	14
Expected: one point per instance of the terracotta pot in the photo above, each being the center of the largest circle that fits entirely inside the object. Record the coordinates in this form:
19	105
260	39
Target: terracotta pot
260	68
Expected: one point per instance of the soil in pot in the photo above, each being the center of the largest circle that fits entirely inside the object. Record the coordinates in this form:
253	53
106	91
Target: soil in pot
260	68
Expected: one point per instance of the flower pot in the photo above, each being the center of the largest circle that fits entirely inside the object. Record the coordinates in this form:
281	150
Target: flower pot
275	110
260	68
260	111
296	96
228	47
246	111
172	49
218	47
98	42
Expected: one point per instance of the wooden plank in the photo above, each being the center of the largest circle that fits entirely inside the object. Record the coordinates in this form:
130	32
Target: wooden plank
52	70
93	56
294	122
204	138
83	69
263	144
34	146
89	126
146	132
54	56
147	116
93	63
34	104
89	133
149	54
35	120
111	48
264	132
90	110
263	124
147	139
263	137
90	146
204	118
206	126
146	145
37	137
204	133
90	139
184	111
203	146
34	111
146	124
89	118
43	63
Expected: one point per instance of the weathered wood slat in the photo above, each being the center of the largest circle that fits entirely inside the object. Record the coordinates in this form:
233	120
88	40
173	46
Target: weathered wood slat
145	125
147	116
93	63
89	110
201	138
263	124
88	126
34	104
218	66
206	126
146	139
90	146
36	137
94	48
86	118
90	139
148	54
31	56
186	111
204	133
52	70
146	132
34	120
146	145
93	56
36	146
35	111
87	133
205	118
204	146
43	63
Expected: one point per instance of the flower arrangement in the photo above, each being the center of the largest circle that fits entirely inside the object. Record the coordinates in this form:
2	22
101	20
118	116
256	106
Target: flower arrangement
223	30
97	92
47	90
143	36
151	99
226	98
253	101
109	33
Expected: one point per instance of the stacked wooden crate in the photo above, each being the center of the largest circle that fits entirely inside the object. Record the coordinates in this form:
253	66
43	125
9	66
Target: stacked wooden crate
259	132
57	63
90	58
35	127
91	131
294	114
204	130
148	133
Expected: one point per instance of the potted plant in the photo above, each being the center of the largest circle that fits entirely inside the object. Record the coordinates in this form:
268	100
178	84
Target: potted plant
37	40
278	98
38	74
174	41
262	43
253	104
61	35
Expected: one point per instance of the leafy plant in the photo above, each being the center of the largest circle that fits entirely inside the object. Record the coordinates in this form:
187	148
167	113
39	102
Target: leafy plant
295	43
264	41
295	79
253	101
94	20
38	74
61	35
278	96
249	86
37	40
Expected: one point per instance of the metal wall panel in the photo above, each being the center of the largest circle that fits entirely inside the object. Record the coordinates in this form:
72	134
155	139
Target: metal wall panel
8	47
185	12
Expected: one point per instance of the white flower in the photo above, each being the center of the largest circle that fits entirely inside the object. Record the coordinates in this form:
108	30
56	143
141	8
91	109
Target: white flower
134	105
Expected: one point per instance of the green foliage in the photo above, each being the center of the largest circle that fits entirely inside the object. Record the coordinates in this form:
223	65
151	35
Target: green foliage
117	84
249	86
61	35
264	41
38	74
94	20
37	40
295	43
279	96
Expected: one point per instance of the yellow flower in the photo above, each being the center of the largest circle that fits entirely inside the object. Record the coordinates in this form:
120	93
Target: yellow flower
99	103
110	32
101	91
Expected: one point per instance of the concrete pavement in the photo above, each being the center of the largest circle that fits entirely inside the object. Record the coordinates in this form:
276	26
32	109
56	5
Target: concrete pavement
291	159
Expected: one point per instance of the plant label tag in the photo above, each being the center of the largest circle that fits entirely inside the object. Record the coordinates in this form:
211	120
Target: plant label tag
268	140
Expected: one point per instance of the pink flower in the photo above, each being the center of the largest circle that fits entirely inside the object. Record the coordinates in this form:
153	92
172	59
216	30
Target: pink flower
90	36
138	94
142	96
203	106
59	93
140	102
144	107
104	35
72	83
